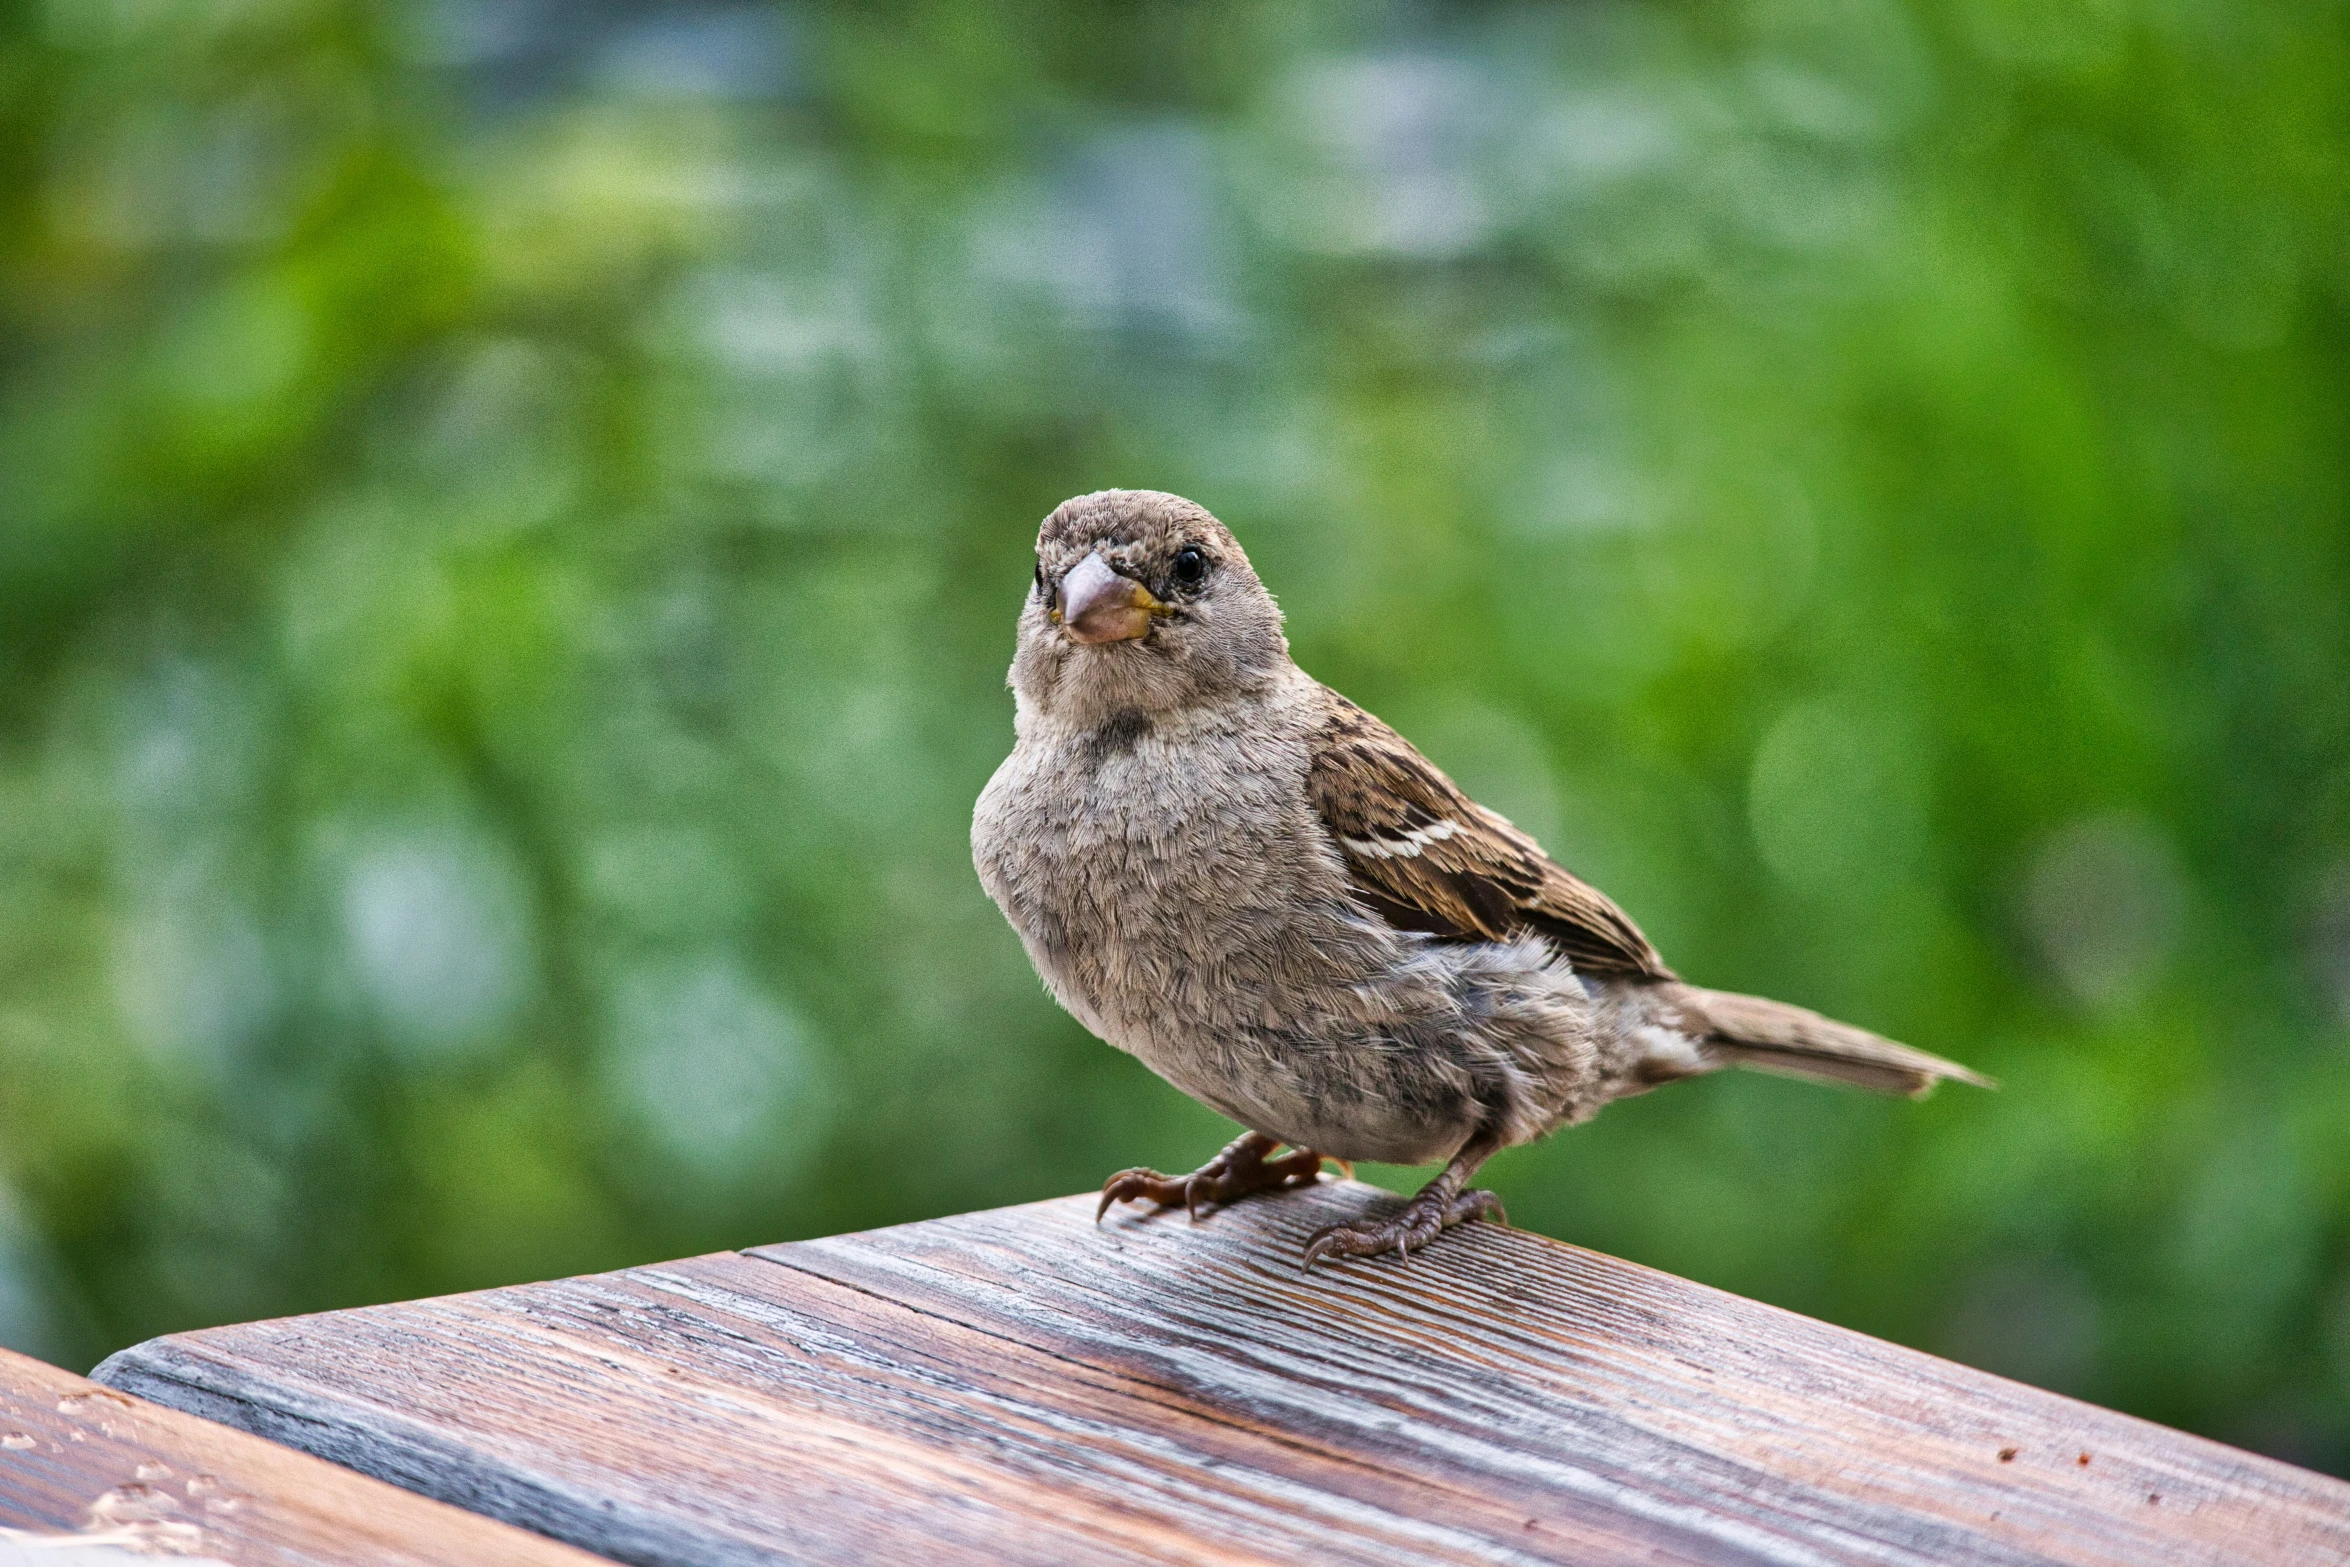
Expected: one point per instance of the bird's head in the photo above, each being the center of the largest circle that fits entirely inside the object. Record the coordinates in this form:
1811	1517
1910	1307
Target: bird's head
1142	602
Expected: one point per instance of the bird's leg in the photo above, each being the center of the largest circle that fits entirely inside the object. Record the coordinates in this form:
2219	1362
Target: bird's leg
1240	1169
1440	1205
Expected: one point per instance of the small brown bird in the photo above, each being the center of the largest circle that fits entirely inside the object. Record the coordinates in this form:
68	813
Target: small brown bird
1227	869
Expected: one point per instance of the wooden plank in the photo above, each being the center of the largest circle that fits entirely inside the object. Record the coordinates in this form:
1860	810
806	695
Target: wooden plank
88	1466
1020	1386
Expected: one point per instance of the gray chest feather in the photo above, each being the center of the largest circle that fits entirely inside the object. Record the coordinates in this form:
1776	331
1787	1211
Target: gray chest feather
1164	883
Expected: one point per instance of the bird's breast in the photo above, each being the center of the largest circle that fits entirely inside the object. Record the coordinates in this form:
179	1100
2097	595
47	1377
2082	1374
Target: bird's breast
1166	883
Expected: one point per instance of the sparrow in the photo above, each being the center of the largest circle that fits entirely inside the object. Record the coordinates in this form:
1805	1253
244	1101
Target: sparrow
1223	867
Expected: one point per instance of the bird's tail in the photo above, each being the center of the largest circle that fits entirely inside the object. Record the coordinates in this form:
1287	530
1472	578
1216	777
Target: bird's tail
1771	1036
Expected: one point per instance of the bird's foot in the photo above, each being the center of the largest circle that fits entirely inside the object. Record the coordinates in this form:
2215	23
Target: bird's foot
1240	1169
1423	1219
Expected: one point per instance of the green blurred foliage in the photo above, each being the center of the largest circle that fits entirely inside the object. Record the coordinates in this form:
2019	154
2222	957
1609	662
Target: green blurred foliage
513	515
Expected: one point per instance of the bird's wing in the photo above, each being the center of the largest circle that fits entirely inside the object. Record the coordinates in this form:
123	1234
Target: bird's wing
1427	857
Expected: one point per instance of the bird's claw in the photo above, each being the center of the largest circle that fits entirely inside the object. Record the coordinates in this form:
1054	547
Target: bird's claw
1240	1169
1168	1191
1127	1185
1423	1219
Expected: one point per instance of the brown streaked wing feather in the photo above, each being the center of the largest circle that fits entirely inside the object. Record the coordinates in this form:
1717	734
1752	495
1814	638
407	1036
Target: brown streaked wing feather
1427	857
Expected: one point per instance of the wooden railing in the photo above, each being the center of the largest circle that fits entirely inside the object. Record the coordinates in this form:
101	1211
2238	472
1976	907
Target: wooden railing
1021	1386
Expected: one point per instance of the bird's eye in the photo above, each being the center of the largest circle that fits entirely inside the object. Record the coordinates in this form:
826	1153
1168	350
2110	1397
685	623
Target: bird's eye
1191	568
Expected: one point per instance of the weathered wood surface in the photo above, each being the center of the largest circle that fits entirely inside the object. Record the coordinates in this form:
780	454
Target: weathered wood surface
87	1466
1022	1387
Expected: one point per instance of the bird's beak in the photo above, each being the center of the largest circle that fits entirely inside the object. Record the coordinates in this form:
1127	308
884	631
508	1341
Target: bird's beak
1095	604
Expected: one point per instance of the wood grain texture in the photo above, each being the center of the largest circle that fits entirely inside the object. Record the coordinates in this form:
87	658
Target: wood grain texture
1020	1386
80	1463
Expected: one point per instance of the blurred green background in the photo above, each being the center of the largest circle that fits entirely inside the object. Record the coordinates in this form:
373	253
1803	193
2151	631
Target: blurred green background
513	514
